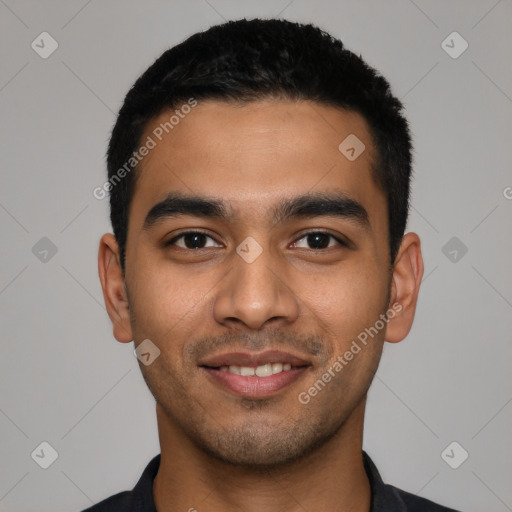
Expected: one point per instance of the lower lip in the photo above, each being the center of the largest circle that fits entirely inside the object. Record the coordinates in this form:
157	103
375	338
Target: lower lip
256	386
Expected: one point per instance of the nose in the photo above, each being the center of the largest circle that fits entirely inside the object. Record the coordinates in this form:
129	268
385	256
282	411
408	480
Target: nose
255	292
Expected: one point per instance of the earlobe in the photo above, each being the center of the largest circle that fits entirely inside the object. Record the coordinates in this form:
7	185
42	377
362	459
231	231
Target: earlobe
405	286
113	286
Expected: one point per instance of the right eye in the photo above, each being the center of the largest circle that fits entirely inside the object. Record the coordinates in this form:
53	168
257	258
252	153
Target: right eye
192	240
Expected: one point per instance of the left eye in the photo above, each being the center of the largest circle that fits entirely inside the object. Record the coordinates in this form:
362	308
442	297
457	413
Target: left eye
319	240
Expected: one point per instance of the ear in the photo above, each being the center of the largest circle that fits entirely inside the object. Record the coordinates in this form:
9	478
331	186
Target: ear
405	286
113	285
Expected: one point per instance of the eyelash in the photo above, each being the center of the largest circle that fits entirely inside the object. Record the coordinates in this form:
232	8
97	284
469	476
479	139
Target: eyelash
181	235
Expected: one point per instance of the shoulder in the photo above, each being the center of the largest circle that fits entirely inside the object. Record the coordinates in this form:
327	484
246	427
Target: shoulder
121	502
139	499
414	503
388	498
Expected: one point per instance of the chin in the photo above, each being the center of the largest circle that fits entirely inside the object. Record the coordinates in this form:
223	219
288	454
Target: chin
265	448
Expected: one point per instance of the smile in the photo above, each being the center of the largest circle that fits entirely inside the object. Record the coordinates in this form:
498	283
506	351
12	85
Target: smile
264	370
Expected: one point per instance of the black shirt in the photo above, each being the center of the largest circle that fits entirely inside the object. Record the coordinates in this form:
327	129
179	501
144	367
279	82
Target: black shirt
385	498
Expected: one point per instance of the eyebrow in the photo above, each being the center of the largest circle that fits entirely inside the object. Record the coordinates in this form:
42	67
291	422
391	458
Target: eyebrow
310	205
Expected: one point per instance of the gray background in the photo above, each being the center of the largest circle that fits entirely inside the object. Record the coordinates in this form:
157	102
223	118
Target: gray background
66	381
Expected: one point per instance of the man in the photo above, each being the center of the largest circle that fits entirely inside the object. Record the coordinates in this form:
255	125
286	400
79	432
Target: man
259	189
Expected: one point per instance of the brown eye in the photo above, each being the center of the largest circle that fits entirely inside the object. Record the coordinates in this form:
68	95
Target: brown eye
192	240
319	240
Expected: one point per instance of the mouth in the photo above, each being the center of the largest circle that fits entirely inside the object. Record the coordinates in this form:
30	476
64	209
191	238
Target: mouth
255	375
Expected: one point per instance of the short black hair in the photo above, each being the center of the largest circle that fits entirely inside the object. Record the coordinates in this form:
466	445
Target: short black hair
248	60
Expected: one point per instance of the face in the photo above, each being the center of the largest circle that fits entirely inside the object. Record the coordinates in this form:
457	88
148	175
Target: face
281	258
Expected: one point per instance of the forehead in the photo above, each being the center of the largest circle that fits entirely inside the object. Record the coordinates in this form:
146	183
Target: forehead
252	154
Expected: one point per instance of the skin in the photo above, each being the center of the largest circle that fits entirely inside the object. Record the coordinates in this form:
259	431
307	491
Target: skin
221	451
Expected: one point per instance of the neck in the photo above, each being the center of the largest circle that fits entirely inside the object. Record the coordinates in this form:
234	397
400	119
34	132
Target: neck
331	478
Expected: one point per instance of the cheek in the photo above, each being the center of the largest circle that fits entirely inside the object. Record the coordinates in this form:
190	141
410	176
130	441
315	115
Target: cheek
163	300
347	300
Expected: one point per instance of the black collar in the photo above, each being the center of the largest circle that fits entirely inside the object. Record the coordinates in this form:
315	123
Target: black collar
384	497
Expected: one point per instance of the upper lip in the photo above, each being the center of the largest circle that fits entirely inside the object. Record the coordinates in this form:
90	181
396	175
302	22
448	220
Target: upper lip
252	359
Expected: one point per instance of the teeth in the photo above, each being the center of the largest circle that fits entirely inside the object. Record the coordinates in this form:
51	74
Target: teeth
264	370
277	368
235	369
246	371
